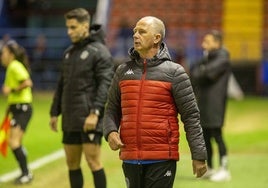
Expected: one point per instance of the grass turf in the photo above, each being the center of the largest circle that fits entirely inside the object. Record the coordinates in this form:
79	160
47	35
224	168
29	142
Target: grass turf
245	130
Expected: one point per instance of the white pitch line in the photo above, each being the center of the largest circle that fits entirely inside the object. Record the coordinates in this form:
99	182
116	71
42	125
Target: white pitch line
34	165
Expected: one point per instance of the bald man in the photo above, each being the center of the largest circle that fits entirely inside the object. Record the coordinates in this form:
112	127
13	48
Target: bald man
146	96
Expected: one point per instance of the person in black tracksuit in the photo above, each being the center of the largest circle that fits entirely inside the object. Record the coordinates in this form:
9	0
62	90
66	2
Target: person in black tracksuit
87	71
210	81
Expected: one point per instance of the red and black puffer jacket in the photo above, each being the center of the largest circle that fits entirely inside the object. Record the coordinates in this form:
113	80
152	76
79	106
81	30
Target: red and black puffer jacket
144	101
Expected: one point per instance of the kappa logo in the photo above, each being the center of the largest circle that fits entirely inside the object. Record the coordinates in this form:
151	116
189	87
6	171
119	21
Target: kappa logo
67	56
91	137
130	71
168	173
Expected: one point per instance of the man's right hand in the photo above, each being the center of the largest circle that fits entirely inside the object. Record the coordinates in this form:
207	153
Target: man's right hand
54	123
199	168
114	141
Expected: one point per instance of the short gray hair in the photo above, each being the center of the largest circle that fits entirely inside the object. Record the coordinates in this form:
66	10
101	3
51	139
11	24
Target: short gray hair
158	25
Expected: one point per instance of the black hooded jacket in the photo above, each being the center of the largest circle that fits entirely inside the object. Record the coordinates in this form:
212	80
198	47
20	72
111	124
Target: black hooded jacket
210	81
87	71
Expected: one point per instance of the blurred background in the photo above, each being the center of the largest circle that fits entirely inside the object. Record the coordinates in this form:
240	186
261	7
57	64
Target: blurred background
39	26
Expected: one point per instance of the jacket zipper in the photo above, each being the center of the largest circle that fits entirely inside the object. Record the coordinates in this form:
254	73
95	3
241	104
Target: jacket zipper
139	108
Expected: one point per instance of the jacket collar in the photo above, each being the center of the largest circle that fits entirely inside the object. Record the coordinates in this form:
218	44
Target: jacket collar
96	34
161	56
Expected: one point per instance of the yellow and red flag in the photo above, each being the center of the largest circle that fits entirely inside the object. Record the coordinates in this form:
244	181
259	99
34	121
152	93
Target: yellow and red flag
4	133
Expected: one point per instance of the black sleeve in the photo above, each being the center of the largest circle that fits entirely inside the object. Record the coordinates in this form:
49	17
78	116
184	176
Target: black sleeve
104	70
55	109
218	66
189	112
213	69
113	114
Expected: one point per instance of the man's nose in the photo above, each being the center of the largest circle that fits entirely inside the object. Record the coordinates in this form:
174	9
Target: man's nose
135	35
69	31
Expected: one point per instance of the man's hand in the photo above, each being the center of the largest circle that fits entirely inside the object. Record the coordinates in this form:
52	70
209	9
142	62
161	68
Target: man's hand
199	168
114	141
54	123
91	122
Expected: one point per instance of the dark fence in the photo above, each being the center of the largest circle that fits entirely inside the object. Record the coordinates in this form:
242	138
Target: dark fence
45	47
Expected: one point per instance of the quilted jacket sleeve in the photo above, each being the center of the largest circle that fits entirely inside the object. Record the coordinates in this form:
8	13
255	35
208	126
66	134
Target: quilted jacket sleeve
104	72
189	112
55	109
112	115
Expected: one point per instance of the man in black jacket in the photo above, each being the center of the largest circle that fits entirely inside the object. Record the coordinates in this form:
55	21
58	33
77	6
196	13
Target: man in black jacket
210	80
80	96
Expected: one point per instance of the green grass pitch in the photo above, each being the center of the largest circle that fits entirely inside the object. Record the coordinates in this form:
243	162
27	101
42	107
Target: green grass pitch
245	131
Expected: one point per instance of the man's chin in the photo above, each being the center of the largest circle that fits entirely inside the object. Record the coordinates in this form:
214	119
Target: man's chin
74	40
137	47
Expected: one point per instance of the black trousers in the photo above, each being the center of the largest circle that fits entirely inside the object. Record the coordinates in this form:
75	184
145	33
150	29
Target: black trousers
155	175
214	133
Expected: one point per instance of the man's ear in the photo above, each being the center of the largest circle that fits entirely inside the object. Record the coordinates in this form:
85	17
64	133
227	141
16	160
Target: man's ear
157	38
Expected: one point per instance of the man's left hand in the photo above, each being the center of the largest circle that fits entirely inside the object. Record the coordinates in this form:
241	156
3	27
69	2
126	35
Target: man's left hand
91	122
199	168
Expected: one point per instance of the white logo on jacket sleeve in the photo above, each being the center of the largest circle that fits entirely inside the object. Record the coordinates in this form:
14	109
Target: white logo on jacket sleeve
67	56
130	71
168	173
84	55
